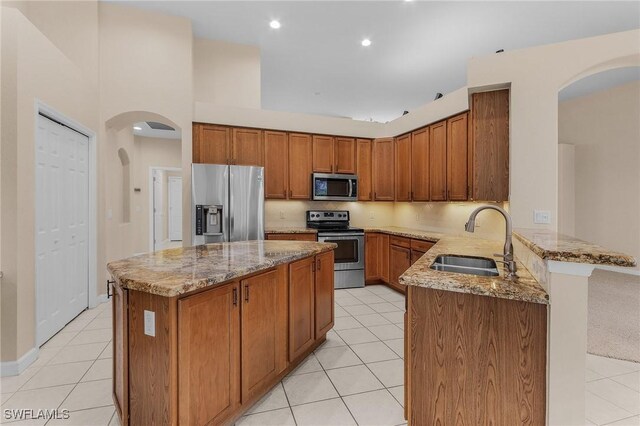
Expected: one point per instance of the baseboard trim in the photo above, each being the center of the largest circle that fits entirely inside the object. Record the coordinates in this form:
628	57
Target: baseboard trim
13	368
101	298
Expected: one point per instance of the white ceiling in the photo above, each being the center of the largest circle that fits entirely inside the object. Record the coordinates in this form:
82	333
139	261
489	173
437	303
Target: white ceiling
315	63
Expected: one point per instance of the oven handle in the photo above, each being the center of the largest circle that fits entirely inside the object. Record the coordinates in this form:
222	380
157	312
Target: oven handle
341	236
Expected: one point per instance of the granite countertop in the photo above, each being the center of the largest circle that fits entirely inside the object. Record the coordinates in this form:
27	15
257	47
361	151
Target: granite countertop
178	271
550	245
290	230
523	288
399	231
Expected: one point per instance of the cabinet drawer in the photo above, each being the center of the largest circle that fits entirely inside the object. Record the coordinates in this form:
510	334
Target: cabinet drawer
399	241
421	245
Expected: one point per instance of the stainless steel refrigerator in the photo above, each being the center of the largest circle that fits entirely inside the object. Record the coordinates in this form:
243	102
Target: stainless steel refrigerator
228	203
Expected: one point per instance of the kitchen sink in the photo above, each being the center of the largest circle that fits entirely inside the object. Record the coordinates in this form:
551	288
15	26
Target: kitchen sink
466	265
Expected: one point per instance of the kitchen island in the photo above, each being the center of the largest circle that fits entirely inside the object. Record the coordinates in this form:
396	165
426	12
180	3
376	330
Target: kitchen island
201	333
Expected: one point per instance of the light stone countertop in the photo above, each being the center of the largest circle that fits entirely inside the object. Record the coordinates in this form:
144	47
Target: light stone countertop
178	271
290	230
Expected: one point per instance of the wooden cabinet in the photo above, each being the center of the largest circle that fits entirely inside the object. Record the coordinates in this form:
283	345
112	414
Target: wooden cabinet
323	154
457	158
209	354
324	289
420	165
211	144
383	258
399	261
403	167
489	146
371	255
383	169
363	169
415	255
264	330
120	380
301	307
276	165
438	161
345	155
300	166
246	147
293	237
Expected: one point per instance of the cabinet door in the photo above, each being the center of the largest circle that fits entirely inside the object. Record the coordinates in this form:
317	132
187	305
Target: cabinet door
399	261
120	381
383	169
264	330
324	288
371	255
212	144
293	237
301	309
457	156
365	187
247	147
415	255
300	166
209	354
345	153
276	165
403	167
420	165
383	257
323	154
438	161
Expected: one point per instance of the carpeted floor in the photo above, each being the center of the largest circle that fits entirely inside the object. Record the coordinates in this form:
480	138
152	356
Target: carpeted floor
614	315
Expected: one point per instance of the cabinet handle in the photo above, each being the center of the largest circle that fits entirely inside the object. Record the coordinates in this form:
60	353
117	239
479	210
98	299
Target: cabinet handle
313	266
375	195
409	195
319	265
235	297
246	294
109	283
369	194
448	194
284	193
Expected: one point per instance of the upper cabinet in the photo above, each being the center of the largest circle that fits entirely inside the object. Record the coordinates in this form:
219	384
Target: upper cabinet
489	146
211	144
457	161
300	166
438	161
323	154
403	167
334	155
363	168
246	147
276	165
345	155
383	169
420	165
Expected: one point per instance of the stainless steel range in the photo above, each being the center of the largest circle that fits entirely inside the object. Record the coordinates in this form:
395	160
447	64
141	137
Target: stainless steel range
333	227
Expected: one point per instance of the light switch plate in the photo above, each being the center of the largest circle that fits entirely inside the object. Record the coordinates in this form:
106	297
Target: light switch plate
150	323
542	216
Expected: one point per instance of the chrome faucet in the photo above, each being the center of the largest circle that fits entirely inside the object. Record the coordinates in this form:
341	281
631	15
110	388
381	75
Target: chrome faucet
508	245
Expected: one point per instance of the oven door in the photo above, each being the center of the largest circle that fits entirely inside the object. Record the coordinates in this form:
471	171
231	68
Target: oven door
350	251
335	187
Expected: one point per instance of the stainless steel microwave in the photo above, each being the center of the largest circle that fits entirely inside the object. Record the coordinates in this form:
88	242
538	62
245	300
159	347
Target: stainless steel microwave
334	187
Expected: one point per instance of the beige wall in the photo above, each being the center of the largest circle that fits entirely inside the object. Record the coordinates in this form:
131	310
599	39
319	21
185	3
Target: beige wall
566	186
603	127
226	73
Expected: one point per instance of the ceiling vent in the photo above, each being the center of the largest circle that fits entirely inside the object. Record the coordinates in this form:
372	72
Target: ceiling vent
159	126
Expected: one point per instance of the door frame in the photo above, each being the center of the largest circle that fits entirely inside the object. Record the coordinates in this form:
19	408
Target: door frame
41	108
169	199
150	188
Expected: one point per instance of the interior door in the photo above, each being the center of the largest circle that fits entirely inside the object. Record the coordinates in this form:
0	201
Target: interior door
62	212
175	208
158	209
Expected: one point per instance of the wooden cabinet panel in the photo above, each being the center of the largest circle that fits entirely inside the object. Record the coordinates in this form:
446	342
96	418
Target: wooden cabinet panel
212	144
209	353
490	145
420	165
474	359
371	256
421	245
399	261
457	157
276	165
247	147
120	380
345	155
264	330
403	167
383	169
399	241
293	237
300	166
323	154
383	257
415	255
324	288
301	307
365	184
438	161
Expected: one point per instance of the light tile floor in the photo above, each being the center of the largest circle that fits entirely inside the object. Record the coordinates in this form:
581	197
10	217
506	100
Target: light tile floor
354	378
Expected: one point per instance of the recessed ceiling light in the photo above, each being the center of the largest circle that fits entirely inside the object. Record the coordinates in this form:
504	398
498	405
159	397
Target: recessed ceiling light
366	42
274	24
137	128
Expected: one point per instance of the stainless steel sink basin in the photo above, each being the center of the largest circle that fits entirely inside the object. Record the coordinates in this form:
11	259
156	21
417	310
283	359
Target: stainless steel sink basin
466	265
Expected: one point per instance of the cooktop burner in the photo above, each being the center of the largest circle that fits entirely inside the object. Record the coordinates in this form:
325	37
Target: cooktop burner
330	221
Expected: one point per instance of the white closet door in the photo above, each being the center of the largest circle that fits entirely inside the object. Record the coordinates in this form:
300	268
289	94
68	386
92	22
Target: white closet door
175	208
62	208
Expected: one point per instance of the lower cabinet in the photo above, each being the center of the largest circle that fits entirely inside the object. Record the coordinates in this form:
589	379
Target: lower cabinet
293	236
415	255
301	306
399	261
120	355
209	355
324	293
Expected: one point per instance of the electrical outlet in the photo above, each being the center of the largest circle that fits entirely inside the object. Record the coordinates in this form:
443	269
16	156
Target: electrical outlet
542	216
372	214
150	323
478	223
281	214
